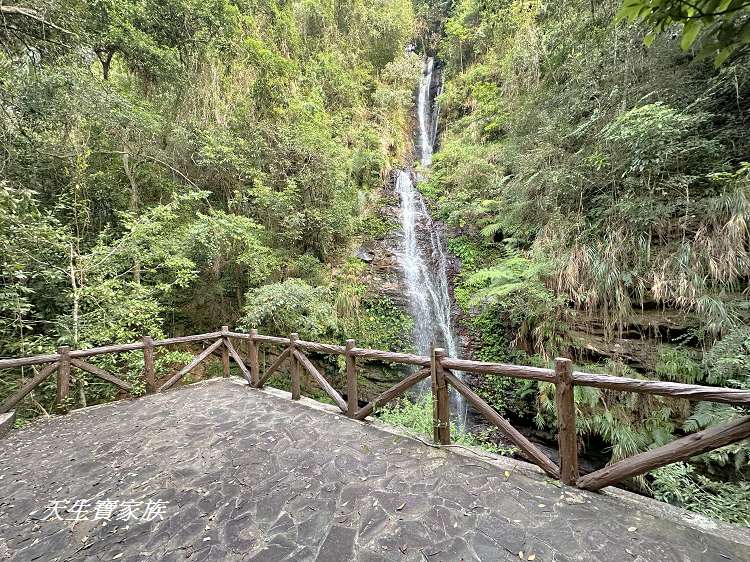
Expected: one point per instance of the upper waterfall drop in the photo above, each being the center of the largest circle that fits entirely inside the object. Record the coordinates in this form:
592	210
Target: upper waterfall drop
424	114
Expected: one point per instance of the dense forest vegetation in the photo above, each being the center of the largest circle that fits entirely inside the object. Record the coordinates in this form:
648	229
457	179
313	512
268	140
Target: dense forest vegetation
168	167
598	192
171	166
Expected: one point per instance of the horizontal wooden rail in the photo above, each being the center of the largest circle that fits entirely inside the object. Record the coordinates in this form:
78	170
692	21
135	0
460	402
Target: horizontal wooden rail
321	347
437	366
514	371
260	338
328	348
664	388
91	352
391	356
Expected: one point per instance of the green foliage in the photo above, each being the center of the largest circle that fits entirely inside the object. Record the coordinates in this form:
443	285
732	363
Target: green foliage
416	417
376	227
468	251
291	306
165	162
592	184
654	140
727	363
382	325
720	26
516	285
622	184
679	483
678	365
472	254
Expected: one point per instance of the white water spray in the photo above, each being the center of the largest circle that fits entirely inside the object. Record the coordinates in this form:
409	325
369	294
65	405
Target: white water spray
424	113
422	257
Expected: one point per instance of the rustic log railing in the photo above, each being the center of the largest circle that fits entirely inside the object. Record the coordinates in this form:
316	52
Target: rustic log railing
438	367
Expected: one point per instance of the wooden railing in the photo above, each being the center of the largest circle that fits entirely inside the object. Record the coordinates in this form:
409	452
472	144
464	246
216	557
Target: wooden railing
440	369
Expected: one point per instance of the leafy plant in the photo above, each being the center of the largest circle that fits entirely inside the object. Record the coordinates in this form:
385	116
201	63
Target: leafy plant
721	25
291	306
416	416
679	483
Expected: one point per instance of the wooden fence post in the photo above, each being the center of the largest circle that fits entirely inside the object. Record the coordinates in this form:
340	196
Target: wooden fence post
351	380
254	365
149	372
63	375
440	407
296	390
225	351
567	438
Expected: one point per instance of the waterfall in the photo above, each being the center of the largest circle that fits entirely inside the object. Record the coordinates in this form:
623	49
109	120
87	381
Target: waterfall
424	265
422	254
424	114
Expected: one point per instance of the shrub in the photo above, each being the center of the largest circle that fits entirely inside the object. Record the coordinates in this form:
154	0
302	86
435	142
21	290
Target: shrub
290	306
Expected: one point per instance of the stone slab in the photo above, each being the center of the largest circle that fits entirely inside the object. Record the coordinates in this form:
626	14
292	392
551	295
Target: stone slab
249	475
7	421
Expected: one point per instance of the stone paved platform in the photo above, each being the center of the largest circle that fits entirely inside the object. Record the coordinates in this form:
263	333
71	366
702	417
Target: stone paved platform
247	475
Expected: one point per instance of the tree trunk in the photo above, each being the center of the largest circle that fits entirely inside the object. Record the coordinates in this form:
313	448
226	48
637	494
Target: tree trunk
105	58
75	318
134	206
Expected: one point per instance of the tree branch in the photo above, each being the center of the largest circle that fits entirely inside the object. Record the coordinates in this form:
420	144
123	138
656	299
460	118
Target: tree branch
32	14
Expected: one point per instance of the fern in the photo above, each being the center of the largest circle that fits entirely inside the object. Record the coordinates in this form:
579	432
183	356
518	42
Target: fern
728	362
679	484
491	229
707	414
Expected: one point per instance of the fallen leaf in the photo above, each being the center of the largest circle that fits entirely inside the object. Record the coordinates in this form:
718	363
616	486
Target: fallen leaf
506	474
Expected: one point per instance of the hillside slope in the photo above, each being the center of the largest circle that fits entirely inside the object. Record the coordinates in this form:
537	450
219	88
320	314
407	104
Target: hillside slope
598	193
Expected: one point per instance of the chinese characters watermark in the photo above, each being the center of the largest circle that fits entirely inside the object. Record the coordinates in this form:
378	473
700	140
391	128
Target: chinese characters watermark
105	510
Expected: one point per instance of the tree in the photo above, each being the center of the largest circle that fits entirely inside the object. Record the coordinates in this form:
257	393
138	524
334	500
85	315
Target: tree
721	26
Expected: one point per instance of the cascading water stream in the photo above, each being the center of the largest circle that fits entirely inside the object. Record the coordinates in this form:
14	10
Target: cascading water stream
424	113
422	257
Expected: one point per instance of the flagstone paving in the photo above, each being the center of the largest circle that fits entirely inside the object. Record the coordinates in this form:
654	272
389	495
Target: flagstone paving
233	473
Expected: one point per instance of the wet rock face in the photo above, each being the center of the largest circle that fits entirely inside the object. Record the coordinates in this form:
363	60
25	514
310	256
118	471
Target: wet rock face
383	276
362	254
638	342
